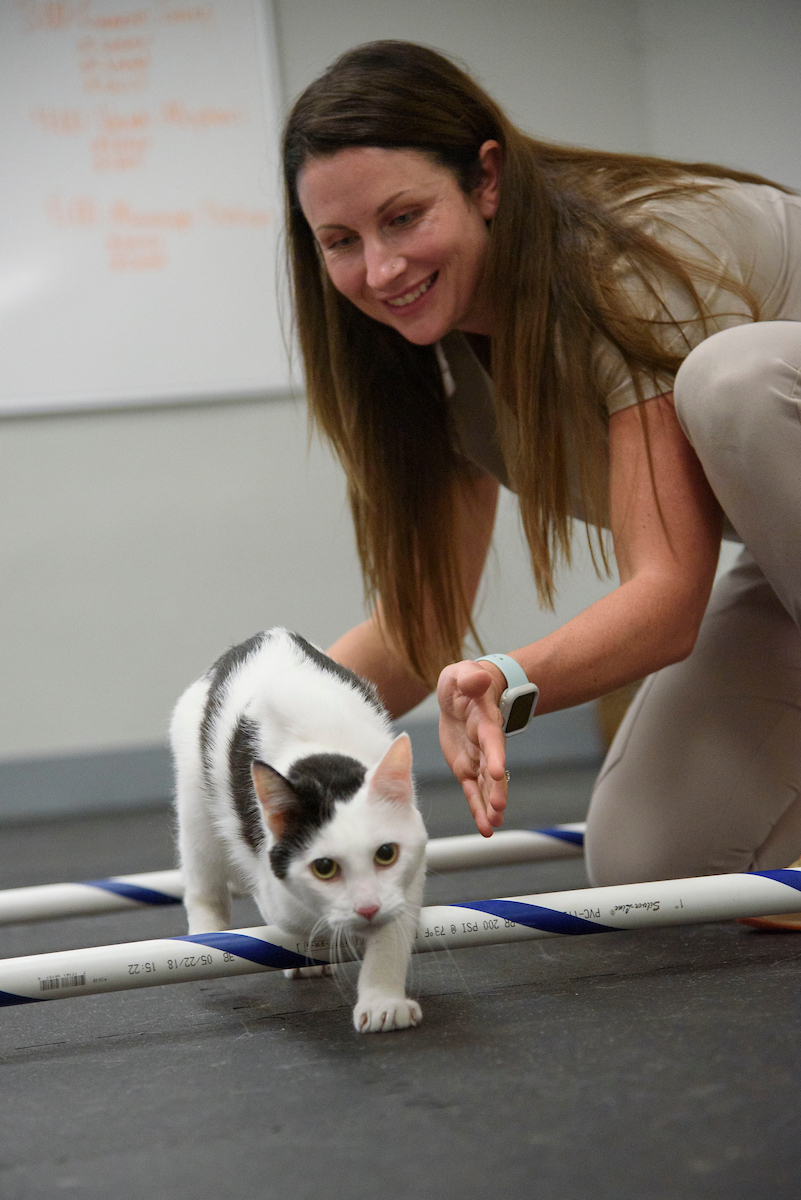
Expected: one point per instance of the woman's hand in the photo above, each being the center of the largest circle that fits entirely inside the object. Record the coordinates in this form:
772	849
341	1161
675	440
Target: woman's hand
472	739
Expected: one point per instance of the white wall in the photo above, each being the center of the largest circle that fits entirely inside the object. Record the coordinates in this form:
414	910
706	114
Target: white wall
723	83
136	545
566	69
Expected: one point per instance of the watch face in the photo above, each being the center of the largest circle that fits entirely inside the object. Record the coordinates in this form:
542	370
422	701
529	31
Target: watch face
520	712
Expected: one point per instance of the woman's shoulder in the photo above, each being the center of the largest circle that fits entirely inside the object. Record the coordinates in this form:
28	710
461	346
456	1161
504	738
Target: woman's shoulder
723	232
749	232
713	211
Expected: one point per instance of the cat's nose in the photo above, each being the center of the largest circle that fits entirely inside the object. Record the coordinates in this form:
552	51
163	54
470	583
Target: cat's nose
368	911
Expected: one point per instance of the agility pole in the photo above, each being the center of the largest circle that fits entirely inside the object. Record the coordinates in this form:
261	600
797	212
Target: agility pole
49	901
71	973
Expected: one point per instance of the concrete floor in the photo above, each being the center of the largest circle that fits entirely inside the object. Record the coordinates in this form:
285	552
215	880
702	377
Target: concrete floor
662	1065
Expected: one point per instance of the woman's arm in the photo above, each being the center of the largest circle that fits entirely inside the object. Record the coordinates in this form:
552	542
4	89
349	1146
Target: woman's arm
365	650
667	563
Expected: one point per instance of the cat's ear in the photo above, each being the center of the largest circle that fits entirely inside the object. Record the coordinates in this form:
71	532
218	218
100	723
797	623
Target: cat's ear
274	794
391	778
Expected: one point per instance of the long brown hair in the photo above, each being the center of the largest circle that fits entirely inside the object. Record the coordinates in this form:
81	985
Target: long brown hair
563	227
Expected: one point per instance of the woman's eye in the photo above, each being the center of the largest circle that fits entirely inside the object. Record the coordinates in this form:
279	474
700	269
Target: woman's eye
404	218
325	868
343	243
386	854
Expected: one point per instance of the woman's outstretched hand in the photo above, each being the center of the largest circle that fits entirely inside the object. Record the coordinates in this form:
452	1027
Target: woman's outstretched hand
472	739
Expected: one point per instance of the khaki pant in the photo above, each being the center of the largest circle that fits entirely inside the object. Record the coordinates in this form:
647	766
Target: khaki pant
704	774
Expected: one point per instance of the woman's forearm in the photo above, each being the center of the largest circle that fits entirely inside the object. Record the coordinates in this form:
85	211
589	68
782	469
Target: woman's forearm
646	623
364	650
640	627
666	550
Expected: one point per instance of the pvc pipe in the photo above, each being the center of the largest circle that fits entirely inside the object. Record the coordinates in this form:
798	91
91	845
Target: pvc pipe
50	900
442	927
505	847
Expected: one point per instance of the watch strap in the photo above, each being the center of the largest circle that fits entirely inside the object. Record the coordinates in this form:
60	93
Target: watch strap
508	666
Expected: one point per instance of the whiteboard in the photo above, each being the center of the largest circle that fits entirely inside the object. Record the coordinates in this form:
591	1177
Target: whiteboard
139	203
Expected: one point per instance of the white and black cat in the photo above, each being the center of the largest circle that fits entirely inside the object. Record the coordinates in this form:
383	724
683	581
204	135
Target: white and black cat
289	786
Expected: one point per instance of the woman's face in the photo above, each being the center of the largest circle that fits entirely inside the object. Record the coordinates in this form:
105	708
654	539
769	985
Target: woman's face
399	237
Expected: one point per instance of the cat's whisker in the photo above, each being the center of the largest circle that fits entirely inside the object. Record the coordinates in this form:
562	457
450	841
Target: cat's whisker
342	955
345	940
318	929
419	963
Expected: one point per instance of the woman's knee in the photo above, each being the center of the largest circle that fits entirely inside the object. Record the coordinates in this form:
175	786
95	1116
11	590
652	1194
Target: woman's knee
617	853
631	838
724	385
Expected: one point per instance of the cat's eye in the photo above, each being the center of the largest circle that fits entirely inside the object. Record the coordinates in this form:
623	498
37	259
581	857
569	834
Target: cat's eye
385	855
325	868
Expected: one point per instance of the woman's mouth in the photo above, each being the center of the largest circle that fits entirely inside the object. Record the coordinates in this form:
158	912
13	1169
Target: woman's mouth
410	297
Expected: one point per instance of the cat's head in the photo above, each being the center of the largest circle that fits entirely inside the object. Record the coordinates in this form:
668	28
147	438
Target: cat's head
348	842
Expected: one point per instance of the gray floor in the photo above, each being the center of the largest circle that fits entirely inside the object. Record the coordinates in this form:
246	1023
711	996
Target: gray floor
663	1064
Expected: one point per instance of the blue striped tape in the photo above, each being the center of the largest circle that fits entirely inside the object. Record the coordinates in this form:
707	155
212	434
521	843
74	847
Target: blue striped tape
8	998
240	944
253	949
132	891
564	835
791	877
535	917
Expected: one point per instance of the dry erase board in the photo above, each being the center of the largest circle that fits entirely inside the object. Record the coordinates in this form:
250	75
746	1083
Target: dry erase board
139	211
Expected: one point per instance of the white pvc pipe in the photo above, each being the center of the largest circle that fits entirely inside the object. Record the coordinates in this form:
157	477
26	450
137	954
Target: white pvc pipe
121	892
505	847
442	927
50	900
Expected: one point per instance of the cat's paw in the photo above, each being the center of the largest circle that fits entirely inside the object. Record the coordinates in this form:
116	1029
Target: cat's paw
309	972
383	1014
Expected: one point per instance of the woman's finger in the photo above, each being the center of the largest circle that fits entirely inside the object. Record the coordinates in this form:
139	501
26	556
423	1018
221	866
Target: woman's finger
475	801
492	744
494	795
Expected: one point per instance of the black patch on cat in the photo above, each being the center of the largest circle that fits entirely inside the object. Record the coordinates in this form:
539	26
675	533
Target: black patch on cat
317	782
241	751
220	673
367	690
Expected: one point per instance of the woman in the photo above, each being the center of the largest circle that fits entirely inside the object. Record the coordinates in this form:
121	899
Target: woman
477	307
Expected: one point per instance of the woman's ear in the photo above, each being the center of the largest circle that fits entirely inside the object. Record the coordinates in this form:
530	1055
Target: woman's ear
487	194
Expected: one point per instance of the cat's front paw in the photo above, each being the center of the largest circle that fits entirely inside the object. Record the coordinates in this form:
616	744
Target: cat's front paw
309	972
383	1014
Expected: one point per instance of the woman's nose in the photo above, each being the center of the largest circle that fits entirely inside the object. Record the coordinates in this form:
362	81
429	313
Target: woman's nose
383	268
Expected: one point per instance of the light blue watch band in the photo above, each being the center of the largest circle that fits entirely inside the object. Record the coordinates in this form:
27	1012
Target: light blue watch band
508	666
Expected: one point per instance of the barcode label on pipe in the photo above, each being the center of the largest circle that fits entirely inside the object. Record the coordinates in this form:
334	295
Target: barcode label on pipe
55	982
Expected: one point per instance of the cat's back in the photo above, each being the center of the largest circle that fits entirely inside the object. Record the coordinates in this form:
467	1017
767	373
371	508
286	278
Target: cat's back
287	698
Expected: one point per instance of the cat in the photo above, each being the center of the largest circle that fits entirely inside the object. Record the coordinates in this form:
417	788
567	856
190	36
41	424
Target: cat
291	787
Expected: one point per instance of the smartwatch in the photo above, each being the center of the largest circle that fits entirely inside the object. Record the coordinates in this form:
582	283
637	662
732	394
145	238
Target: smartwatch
518	702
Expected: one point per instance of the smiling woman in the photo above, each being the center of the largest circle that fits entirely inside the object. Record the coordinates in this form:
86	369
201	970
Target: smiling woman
477	307
400	239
